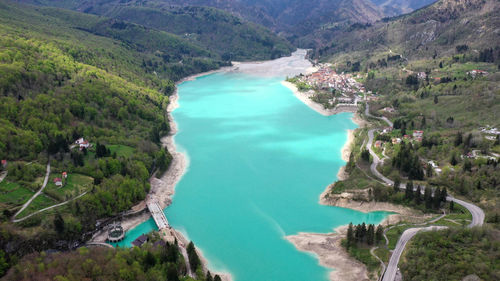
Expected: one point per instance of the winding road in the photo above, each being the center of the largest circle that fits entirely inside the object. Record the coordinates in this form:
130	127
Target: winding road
392	268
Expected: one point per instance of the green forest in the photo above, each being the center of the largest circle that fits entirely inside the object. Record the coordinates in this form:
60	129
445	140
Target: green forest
66	76
155	260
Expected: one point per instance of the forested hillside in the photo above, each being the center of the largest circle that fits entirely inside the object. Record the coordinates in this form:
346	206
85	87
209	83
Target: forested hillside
220	32
435	74
65	76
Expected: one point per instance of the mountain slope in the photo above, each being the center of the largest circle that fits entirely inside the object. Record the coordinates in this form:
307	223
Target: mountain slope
213	29
392	8
295	17
66	75
434	30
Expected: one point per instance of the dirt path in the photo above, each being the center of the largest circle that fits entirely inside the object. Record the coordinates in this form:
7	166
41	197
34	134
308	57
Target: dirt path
45	181
48	208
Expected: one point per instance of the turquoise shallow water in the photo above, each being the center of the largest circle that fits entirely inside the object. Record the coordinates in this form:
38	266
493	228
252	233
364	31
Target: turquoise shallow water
259	158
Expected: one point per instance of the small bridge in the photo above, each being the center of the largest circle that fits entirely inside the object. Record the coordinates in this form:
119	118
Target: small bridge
158	215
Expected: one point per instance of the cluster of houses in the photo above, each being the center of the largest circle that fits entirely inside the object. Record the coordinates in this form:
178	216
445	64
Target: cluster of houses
416	136
327	78
491	133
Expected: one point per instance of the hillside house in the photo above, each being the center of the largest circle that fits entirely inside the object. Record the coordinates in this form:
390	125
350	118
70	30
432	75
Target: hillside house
58	182
389	109
418	134
64	175
396	140
378	144
387	130
477	72
84	144
4	163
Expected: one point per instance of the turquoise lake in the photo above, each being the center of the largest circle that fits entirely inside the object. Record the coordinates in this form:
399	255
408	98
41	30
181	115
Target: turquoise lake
258	161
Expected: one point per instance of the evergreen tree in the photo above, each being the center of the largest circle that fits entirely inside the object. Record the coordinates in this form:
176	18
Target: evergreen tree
365	155
370	234
363	232
453	160
357	233
468	141
436	200
194	260
397	183
217	278
379	234
436	99
429	171
452	206
209	276
443	194
428	197
59	223
478	185
418	196
458	139
350	235
409	191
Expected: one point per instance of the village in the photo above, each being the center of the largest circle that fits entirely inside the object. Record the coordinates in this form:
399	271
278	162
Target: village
331	89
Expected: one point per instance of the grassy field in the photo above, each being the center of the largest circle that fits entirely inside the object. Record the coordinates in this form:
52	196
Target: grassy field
40	202
362	253
16	196
74	185
6	186
121	150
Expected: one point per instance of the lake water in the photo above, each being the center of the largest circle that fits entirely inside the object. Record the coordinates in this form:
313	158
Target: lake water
259	159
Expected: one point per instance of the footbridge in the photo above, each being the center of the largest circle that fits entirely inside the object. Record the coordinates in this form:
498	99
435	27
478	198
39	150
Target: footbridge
158	215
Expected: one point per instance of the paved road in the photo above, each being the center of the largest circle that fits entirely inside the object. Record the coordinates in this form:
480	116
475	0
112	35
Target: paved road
102	244
392	267
48	208
476	212
390	273
45	181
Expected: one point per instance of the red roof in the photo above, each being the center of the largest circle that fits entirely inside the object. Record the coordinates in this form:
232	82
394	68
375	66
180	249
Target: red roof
4	162
57	179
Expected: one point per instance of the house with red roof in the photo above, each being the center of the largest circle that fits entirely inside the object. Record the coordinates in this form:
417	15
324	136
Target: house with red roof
58	182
